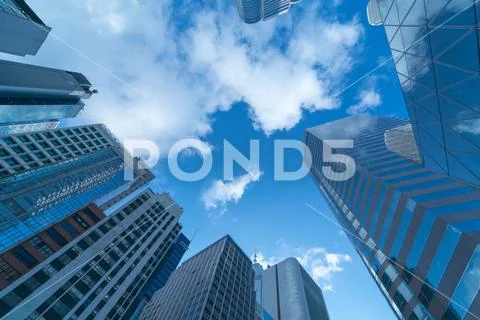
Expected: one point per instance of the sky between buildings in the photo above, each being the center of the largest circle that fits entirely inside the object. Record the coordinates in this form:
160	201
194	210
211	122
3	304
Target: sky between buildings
173	69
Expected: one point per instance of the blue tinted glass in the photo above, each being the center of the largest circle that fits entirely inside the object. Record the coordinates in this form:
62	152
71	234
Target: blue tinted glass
378	208
389	218
468	225
427	223
369	201
443	255
426	184
469	285
402	229
415	175
443	194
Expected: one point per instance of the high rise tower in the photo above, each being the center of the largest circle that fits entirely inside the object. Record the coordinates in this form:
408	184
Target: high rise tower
216	283
34	95
436	49
46	175
252	11
288	292
416	230
21	30
99	274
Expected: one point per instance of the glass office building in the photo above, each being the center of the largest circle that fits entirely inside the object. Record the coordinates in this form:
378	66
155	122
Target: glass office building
217	283
160	276
416	230
46	175
98	274
288	292
24	256
435	47
252	11
21	30
28	127
34	94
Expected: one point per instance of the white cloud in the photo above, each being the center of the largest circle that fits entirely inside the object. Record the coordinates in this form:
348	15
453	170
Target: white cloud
471	126
221	193
320	263
162	83
368	100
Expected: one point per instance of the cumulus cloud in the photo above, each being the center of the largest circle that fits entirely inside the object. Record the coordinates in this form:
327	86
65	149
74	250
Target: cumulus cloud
221	193
368	100
165	68
471	126
320	263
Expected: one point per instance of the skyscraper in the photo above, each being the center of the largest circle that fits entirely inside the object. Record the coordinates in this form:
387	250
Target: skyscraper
252	11
435	47
416	230
23	257
99	274
288	292
46	175
21	30
159	277
33	94
216	283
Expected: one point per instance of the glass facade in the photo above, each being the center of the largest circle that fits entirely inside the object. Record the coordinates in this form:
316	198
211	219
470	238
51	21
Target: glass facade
36	112
32	94
160	275
29	127
252	11
217	283
47	175
435	46
288	292
415	229
98	274
29	30
10	6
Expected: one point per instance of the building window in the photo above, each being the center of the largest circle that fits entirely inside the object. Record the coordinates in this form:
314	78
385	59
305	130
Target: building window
91	215
56	236
7	272
69	228
80	221
24	257
41	246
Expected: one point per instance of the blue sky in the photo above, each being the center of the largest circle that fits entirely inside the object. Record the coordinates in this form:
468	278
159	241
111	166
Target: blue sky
174	69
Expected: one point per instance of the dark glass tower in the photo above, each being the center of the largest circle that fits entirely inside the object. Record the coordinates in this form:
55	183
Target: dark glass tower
99	274
32	94
216	283
436	49
288	292
159	277
21	30
47	175
416	230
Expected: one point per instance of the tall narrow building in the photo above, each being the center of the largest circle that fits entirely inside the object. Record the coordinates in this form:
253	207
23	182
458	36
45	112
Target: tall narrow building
436	49
217	283
416	230
47	175
252	11
21	30
288	292
38	95
159	277
99	274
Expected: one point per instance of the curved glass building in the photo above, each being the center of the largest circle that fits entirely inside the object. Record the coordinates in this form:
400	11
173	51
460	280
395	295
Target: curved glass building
416	230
